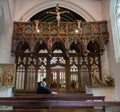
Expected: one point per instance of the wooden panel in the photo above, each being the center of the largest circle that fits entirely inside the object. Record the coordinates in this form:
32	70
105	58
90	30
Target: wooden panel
7	75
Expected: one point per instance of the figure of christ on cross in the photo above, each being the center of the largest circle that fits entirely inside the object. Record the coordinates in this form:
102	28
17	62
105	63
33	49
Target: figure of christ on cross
57	13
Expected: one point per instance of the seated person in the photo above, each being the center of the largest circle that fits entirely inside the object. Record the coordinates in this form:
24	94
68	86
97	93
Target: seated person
44	82
42	90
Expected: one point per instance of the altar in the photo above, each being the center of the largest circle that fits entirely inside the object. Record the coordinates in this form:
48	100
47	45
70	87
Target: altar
107	91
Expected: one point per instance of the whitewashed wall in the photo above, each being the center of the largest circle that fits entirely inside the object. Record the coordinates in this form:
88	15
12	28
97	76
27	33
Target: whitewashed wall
89	9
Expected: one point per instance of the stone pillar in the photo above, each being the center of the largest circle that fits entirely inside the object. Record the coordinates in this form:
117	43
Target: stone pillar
6	29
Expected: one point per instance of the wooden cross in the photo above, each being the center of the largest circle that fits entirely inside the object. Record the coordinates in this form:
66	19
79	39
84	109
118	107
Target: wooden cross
57	13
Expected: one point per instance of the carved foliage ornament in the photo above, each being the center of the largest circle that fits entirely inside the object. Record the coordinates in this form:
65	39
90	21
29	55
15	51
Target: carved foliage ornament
49	34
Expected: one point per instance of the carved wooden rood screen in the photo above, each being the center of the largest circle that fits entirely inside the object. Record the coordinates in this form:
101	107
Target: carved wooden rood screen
68	60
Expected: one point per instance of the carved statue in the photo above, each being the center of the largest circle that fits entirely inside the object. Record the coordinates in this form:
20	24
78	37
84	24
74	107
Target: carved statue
57	13
36	26
79	26
96	80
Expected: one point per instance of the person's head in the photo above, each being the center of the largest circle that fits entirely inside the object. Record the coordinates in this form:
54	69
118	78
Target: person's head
44	82
44	79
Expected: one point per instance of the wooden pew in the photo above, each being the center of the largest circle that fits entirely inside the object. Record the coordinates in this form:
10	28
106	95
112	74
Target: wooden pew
68	97
64	95
60	94
39	98
34	104
45	99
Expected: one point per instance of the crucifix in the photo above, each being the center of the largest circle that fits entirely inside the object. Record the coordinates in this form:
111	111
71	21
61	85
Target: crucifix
57	13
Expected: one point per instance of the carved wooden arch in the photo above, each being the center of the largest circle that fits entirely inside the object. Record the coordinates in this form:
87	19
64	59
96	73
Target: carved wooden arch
93	46
59	46
40	46
77	47
22	46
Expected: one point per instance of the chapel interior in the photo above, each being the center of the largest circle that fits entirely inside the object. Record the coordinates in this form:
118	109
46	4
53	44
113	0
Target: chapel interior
73	44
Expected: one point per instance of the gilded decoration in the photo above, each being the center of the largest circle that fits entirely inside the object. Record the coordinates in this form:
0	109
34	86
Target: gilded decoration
49	33
7	75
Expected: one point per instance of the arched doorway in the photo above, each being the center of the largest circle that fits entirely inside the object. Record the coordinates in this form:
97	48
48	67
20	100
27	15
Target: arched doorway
58	79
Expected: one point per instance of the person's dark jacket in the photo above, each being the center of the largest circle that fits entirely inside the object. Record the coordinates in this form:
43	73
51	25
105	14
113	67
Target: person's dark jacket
43	90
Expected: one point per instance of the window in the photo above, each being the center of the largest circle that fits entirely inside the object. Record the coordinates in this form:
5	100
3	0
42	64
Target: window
115	22
117	11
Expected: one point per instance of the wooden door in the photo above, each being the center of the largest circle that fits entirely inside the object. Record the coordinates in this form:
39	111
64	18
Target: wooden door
58	80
